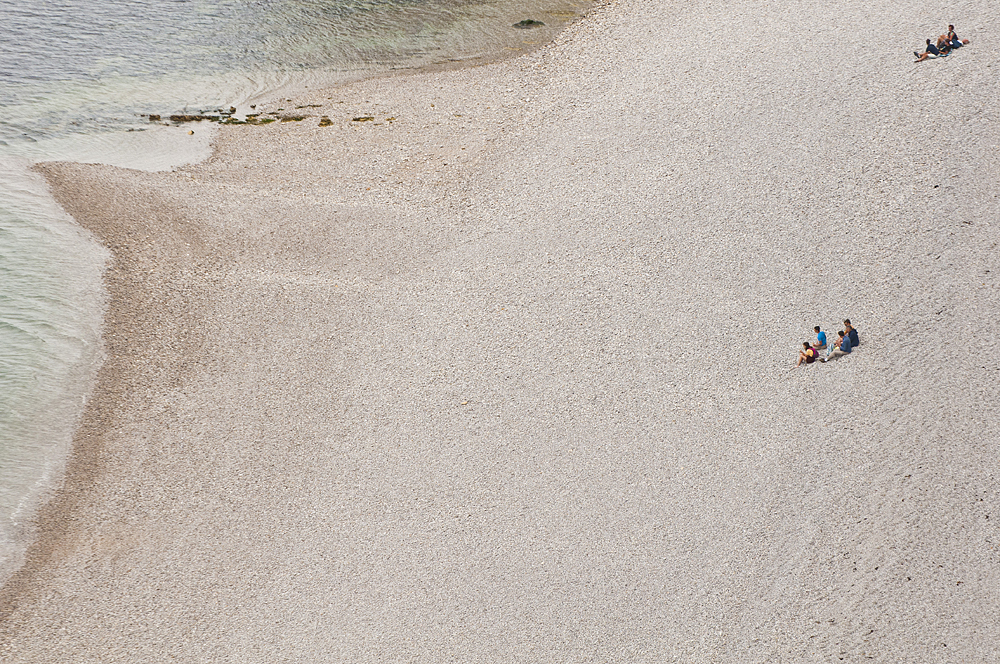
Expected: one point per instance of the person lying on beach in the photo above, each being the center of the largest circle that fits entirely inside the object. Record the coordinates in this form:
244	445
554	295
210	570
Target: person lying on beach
809	355
820	339
953	39
843	347
928	52
851	333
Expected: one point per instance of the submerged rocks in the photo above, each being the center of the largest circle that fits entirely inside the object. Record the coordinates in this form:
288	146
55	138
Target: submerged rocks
528	23
227	117
192	118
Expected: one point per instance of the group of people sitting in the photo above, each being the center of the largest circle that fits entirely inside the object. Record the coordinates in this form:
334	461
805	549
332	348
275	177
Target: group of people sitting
847	340
944	45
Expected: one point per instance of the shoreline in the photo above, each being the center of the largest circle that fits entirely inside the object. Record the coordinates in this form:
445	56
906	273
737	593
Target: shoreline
449	387
117	375
115	379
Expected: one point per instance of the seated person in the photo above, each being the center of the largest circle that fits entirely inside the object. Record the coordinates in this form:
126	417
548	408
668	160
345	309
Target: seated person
852	333
928	52
809	354
953	38
820	339
843	347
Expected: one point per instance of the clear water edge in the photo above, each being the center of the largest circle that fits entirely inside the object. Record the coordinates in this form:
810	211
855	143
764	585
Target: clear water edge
51	310
50	341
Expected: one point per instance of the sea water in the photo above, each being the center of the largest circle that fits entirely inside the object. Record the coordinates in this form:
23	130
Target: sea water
77	80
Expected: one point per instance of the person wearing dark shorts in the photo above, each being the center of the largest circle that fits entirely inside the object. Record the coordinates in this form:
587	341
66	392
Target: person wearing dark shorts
807	355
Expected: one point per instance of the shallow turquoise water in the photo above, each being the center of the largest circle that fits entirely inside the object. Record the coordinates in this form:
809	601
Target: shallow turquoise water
75	78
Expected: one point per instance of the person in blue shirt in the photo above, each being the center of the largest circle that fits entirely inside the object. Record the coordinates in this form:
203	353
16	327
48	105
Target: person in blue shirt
843	347
820	339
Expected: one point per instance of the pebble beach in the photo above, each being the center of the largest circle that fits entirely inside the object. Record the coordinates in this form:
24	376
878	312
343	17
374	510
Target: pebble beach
496	363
